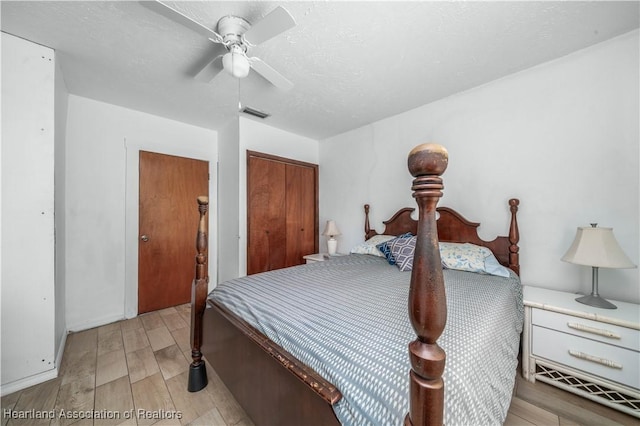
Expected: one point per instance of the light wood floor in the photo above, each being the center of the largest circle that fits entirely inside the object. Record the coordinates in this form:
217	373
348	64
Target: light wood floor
139	366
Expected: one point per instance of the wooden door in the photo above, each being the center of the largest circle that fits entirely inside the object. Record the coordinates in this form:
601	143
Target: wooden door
168	220
282	212
301	212
266	222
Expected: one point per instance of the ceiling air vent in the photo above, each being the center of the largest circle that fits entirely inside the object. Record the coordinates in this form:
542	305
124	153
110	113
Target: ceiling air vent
255	112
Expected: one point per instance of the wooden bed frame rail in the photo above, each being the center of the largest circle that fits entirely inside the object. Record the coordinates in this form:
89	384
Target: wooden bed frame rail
426	304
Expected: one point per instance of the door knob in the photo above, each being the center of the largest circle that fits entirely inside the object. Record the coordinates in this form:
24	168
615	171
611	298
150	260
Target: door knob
144	238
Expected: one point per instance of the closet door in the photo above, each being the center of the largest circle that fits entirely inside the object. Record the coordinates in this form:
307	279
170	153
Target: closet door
266	221
301	213
282	212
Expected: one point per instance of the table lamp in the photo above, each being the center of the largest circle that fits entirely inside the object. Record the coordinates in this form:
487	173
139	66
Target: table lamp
598	248
331	230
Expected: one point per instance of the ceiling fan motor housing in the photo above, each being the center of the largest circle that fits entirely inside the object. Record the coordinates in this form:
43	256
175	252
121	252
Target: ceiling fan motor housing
231	28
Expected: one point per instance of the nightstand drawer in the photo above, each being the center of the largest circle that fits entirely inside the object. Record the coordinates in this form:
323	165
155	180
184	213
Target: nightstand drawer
607	361
602	332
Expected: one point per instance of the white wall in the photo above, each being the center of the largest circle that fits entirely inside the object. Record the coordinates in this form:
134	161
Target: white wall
562	137
228	202
103	143
28	261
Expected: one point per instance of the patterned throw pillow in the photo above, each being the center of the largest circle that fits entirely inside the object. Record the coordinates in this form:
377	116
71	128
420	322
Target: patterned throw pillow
369	246
460	256
402	250
385	248
464	257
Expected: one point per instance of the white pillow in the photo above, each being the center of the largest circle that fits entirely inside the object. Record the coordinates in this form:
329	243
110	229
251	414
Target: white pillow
463	257
369	246
472	258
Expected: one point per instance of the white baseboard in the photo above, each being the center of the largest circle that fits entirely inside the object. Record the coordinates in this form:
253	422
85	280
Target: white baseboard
24	383
36	379
86	325
17	385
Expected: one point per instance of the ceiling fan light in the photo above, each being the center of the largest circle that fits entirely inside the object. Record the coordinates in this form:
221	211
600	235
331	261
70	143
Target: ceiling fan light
236	64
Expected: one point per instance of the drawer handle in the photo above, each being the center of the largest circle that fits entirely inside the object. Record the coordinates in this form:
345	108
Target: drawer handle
593	330
595	359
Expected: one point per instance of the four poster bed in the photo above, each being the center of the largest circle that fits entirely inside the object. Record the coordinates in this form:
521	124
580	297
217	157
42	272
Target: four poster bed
326	343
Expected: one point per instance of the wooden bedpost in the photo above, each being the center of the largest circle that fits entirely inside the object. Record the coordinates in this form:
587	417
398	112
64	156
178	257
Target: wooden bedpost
427	299
367	227
199	291
514	237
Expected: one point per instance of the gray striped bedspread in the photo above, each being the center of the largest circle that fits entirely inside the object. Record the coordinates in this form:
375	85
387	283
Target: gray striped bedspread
347	319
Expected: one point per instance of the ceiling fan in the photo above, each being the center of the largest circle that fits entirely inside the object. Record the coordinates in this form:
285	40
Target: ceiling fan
237	35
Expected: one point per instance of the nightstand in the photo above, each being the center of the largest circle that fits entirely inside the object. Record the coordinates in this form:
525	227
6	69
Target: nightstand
317	257
589	351
320	257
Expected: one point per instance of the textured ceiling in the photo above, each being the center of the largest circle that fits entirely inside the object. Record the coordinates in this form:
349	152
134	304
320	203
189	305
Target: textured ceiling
352	63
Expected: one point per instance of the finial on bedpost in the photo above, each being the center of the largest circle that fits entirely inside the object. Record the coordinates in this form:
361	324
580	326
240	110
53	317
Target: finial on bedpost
197	371
427	299
514	237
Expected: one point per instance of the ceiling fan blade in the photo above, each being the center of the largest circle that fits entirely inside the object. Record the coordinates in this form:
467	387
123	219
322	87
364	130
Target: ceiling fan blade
182	19
274	23
212	69
271	75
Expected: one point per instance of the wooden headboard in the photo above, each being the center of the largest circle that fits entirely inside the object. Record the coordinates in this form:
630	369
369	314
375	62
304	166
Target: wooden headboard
454	228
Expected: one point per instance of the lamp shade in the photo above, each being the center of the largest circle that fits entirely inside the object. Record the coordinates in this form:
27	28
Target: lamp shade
597	247
331	229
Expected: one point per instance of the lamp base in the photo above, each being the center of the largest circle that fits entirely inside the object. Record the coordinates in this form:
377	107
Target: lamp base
596	301
332	246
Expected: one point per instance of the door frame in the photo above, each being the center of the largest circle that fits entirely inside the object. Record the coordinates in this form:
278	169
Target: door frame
132	193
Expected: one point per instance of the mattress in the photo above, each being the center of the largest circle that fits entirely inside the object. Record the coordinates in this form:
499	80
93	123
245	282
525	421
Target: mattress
347	319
